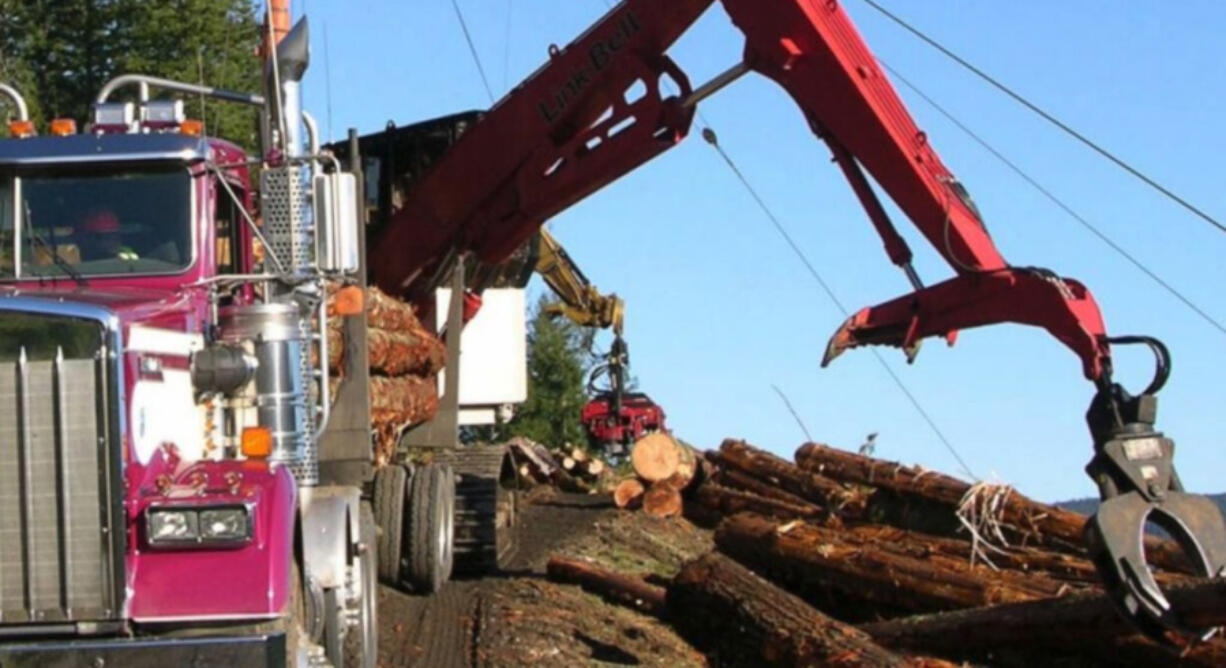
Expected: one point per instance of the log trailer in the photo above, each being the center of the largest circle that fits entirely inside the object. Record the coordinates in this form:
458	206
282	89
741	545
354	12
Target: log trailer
599	108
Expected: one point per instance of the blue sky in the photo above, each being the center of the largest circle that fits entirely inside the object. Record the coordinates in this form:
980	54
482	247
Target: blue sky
719	310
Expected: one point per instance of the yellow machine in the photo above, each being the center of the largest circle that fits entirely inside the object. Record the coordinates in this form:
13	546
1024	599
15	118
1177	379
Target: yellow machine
582	303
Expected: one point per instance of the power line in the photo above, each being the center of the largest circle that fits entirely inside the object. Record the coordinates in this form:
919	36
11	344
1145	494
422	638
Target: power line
1102	236
473	50
709	135
795	415
1050	118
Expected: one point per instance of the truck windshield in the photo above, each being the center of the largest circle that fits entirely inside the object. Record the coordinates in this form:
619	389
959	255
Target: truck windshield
95	223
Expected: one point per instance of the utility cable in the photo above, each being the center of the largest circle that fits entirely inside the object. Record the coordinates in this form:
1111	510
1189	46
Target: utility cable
1119	162
795	415
473	50
1102	236
709	135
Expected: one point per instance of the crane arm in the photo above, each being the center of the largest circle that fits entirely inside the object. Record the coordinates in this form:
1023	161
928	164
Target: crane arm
596	110
815	53
582	303
593	112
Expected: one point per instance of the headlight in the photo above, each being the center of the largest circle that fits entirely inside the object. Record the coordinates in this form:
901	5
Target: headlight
198	527
224	524
172	526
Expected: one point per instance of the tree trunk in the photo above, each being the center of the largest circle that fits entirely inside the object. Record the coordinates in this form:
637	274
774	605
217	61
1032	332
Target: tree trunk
618	588
1085	622
628	493
813	560
740	619
662	500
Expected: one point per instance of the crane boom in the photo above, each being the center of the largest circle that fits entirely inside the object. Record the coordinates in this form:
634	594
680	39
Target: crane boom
578	123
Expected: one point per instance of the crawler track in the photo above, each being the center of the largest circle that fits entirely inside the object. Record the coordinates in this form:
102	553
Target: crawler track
485	509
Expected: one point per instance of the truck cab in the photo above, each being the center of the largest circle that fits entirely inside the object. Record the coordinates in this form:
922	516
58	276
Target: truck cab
162	405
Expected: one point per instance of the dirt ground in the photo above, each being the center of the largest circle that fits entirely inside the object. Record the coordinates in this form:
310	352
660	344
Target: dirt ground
517	618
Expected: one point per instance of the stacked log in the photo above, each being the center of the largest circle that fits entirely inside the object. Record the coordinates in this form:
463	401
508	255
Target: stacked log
862	540
404	359
667	472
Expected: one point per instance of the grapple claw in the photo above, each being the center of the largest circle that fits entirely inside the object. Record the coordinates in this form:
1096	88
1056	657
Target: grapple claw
1133	466
1115	537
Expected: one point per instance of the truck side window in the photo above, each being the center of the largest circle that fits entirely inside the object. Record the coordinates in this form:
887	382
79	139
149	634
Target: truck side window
6	228
228	220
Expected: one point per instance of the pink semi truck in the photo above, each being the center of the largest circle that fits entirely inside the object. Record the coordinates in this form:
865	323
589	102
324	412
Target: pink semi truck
183	483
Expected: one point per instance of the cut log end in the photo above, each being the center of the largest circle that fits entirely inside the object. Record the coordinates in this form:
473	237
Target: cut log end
662	500
655	457
628	493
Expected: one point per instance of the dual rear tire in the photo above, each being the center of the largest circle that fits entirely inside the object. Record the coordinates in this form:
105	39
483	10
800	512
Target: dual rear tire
416	513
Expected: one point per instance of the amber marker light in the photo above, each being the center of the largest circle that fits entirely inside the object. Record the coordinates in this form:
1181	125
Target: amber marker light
349	300
256	442
62	127
21	129
192	127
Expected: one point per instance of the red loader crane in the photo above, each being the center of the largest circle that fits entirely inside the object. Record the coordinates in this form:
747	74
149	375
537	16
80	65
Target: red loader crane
569	129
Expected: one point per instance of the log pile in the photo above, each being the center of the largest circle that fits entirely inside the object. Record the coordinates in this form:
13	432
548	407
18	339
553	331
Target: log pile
922	562
665	471
571	470
404	359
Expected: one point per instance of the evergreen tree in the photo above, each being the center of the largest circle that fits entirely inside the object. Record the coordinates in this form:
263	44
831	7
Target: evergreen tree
59	53
558	362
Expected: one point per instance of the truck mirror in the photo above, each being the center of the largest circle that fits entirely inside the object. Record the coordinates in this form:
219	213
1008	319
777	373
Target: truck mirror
336	219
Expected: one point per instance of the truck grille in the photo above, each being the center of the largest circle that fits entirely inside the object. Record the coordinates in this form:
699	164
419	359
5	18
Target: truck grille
58	557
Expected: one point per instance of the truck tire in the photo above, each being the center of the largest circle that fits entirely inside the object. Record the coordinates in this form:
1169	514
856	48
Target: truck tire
362	641
391	485
427	549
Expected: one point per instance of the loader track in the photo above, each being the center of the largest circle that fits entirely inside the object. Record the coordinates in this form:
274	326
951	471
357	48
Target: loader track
485	509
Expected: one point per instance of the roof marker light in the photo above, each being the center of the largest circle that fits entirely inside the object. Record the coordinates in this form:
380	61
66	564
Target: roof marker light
192	127
21	129
62	127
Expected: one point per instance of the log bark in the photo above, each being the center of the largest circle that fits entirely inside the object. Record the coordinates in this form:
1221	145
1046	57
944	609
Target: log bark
628	493
622	589
662	499
728	501
739	619
1025	521
740	456
813	560
391	353
732	478
1044	627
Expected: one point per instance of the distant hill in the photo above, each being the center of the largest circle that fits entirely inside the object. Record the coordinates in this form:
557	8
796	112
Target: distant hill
1088	506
